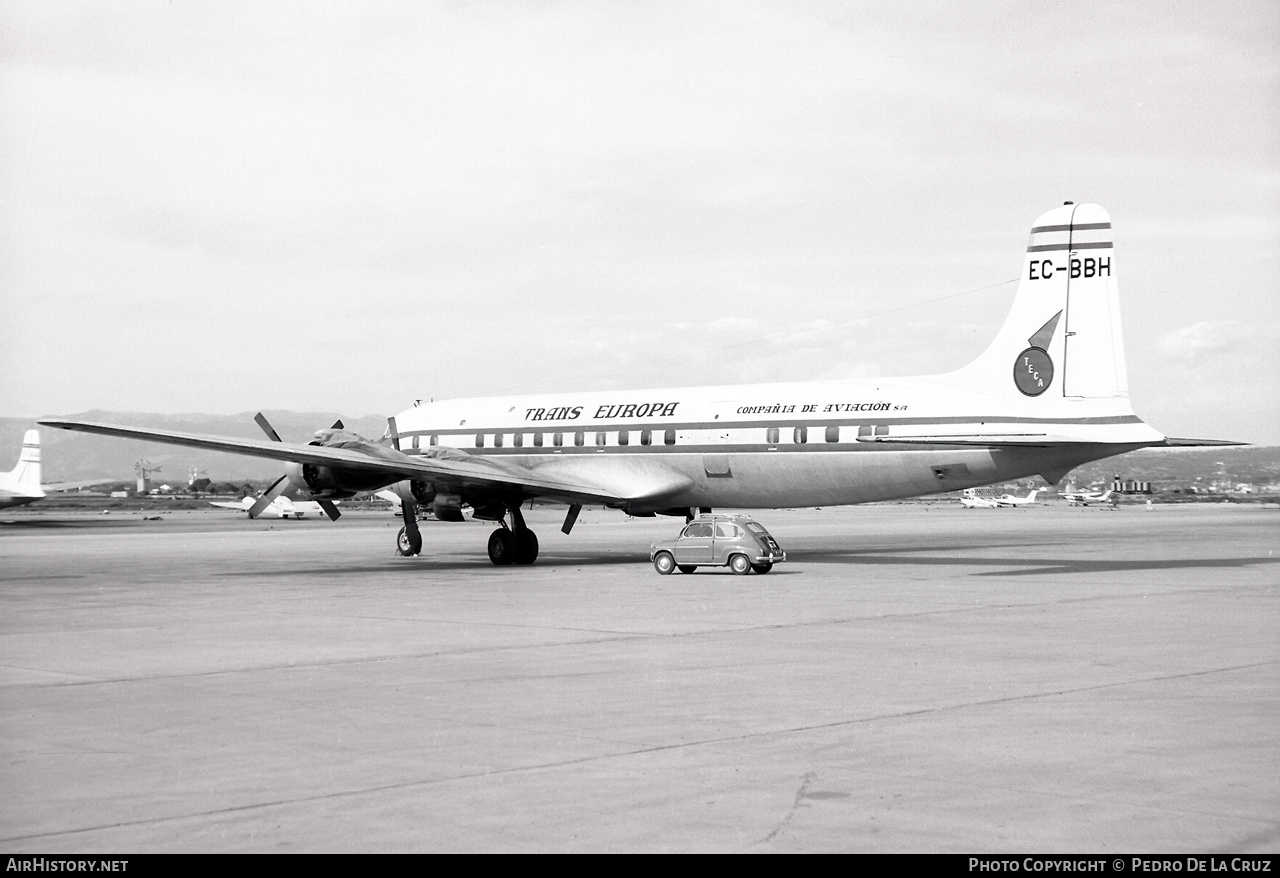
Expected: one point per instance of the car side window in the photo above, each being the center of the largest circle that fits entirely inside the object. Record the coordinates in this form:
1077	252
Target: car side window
725	530
697	529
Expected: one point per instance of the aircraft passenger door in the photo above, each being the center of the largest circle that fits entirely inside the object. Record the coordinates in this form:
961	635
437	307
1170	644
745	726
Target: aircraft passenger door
715	463
695	543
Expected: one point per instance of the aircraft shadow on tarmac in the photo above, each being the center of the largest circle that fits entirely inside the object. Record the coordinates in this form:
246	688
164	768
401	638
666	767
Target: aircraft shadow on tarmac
426	565
1030	565
1020	566
70	523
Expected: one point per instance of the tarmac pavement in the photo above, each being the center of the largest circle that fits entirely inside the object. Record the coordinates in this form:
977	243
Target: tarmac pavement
916	677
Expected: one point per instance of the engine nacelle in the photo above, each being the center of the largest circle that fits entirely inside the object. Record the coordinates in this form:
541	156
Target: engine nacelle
414	491
447	507
334	483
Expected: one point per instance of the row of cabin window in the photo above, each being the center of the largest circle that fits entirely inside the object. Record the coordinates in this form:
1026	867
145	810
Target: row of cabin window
579	439
799	436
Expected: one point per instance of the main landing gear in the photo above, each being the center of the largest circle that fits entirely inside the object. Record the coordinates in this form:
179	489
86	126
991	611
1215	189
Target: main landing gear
515	544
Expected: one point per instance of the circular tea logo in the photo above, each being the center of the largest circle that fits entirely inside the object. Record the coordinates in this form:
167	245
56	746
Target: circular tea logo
1033	371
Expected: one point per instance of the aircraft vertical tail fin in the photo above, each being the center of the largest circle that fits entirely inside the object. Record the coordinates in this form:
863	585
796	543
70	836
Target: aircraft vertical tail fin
27	472
1062	339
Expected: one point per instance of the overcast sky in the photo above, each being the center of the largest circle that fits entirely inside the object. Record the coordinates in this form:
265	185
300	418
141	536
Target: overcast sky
222	207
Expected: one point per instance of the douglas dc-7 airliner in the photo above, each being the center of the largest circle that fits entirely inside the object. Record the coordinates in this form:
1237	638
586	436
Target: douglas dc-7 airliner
22	485
1049	394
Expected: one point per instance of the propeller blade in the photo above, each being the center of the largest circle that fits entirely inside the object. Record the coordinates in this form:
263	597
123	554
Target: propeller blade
282	484
266	427
269	496
395	433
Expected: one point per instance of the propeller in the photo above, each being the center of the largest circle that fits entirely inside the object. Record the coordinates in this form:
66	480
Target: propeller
282	484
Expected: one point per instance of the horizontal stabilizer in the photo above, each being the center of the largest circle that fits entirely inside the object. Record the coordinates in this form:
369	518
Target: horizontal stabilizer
1170	442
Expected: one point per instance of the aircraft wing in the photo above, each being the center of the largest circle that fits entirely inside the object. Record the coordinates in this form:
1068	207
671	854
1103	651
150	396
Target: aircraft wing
471	473
238	507
84	483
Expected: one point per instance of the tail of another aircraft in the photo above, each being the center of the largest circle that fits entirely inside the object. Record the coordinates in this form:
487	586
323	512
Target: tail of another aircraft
27	472
1062	340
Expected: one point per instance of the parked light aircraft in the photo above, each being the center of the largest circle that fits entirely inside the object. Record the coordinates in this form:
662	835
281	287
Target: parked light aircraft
1087	499
21	485
1011	500
1049	394
279	507
970	500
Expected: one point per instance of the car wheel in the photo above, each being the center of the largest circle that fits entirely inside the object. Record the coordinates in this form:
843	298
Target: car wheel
740	565
664	563
763	567
688	568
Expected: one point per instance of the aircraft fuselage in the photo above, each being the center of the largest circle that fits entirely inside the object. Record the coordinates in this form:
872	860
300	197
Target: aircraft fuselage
769	445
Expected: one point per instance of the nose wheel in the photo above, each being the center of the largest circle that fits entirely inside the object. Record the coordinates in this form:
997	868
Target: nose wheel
409	544
409	540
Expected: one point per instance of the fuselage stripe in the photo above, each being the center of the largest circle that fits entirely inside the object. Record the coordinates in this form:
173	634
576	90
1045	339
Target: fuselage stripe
1079	227
989	423
1098	245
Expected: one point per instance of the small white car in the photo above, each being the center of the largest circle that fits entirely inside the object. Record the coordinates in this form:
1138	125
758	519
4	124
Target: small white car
712	540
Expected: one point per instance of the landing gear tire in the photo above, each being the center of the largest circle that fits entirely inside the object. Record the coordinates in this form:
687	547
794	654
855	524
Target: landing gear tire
526	547
688	568
502	547
762	567
740	565
664	563
408	544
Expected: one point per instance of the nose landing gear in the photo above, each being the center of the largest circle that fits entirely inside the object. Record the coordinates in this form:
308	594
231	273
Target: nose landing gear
409	540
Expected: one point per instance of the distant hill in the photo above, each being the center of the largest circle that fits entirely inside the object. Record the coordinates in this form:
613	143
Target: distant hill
1167	468
69	456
